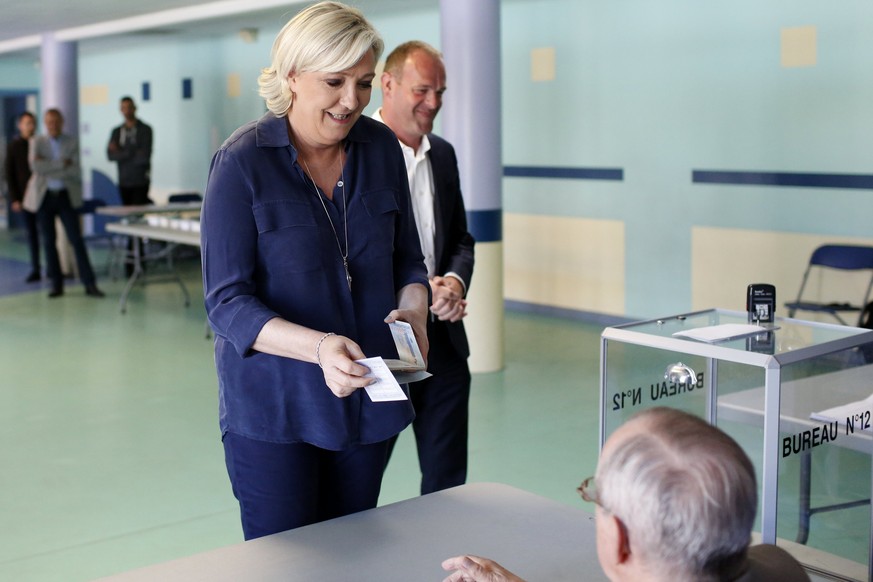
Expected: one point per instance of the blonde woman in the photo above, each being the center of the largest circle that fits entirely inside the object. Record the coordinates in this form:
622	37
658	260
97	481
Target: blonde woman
309	247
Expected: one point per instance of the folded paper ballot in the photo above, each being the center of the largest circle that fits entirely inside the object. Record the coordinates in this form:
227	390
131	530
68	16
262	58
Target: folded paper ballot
723	332
385	388
858	410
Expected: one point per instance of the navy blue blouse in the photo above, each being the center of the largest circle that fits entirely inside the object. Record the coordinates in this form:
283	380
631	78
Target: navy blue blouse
269	251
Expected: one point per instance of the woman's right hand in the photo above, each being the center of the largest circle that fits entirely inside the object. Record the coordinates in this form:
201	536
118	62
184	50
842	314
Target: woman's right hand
342	374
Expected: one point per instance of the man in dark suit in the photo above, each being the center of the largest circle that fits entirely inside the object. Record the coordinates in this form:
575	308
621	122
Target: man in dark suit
130	145
412	87
17	176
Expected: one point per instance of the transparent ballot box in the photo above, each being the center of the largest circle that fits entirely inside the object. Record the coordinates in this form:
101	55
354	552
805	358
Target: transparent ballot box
797	396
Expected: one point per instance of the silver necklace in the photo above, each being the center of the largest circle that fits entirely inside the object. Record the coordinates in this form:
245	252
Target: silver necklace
342	184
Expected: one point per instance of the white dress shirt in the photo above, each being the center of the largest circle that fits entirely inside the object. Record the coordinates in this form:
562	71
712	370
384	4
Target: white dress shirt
54	183
421	188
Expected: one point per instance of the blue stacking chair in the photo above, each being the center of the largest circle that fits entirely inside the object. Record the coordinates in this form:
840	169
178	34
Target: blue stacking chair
185	197
843	257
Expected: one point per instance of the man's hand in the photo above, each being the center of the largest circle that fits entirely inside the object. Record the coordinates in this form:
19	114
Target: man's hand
476	569
448	301
16	206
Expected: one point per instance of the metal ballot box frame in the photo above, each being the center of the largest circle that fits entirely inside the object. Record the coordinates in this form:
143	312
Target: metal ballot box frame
766	389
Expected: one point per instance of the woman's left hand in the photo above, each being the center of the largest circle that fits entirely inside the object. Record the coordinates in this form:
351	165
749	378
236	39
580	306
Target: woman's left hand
418	323
412	308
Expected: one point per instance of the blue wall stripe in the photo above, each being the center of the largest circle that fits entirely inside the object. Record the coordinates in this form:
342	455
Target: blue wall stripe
803	180
486	225
569	173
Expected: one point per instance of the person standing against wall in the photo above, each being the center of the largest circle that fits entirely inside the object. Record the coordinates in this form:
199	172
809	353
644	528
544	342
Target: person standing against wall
130	146
55	191
412	87
17	175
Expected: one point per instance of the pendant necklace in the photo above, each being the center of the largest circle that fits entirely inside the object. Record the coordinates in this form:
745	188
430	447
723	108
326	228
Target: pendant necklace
342	184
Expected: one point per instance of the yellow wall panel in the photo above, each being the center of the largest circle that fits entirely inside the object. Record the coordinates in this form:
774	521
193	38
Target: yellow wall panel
234	85
573	263
724	261
799	47
542	64
94	95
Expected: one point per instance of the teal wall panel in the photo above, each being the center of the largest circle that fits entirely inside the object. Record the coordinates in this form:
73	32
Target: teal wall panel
656	89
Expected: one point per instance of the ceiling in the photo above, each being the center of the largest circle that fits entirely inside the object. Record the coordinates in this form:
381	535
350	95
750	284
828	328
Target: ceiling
106	22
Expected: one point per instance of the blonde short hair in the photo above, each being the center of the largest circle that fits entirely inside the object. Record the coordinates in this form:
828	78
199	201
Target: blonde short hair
328	36
396	60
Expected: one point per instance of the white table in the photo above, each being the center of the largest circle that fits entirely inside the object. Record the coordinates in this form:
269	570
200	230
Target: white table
143	209
537	538
139	231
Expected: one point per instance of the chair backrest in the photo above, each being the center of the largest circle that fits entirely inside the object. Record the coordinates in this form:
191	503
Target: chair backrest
91	205
98	222
185	197
847	257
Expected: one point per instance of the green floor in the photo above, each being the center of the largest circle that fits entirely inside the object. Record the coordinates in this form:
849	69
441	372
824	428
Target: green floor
111	452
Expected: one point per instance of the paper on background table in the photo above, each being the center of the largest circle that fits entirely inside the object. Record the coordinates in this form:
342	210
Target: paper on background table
844	411
726	331
386	388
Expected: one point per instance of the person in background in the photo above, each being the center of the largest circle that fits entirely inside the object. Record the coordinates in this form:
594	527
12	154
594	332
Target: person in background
309	248
130	146
675	502
413	84
17	175
56	191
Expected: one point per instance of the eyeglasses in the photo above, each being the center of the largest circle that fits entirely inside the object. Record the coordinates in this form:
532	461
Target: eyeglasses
588	491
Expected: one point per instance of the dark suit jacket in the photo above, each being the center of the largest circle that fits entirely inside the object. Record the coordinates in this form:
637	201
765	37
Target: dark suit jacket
453	245
767	563
17	168
134	159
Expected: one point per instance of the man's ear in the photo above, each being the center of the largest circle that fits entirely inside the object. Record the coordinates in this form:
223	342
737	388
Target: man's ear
618	550
624	549
387	82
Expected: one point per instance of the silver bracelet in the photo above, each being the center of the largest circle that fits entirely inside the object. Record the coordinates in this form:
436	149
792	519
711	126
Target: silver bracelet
318	348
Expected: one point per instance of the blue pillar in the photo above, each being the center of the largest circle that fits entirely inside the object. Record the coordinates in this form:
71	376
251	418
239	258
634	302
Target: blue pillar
59	62
59	67
471	118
